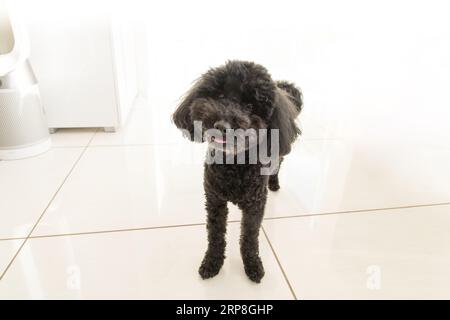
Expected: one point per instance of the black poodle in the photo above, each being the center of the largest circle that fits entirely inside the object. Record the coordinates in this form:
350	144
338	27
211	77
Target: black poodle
239	95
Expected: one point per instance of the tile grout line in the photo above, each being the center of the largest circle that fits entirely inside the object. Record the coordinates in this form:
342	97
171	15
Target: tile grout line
359	211
117	230
230	221
46	208
123	230
94	135
279	263
13	239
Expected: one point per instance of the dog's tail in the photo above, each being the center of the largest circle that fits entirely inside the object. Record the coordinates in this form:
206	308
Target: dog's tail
294	94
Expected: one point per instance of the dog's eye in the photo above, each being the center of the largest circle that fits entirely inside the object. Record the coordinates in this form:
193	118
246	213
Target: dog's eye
249	107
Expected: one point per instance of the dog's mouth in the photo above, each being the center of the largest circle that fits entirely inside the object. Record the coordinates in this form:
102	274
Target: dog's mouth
219	140
220	143
231	145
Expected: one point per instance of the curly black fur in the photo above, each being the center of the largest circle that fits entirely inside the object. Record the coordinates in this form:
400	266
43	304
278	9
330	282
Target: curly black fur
243	95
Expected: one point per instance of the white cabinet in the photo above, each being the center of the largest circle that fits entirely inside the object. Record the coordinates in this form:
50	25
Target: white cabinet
85	62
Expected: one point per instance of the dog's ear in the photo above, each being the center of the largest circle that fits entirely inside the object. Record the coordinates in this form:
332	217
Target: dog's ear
283	118
182	115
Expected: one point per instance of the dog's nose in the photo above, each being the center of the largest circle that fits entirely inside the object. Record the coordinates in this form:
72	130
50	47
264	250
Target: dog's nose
222	126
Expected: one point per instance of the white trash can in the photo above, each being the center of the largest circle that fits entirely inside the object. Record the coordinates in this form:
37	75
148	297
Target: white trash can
23	129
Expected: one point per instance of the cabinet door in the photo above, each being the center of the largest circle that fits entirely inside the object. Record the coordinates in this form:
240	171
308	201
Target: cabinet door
71	53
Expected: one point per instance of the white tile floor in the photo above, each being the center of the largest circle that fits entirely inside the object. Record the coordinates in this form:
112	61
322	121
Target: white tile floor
121	215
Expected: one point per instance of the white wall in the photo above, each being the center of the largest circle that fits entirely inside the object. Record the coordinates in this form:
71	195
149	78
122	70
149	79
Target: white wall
371	69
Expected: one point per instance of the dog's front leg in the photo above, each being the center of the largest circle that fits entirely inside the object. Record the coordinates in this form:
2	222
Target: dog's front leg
252	215
216	225
274	184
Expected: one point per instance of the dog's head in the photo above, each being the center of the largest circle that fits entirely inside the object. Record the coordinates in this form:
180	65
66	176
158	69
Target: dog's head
237	95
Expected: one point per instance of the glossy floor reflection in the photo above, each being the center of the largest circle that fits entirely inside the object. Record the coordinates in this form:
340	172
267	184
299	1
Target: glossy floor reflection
146	264
122	216
387	254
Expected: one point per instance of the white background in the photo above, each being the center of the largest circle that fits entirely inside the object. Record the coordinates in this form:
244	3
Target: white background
371	70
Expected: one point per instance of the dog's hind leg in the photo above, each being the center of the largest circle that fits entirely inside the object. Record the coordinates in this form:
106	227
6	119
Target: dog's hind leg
252	215
274	184
216	225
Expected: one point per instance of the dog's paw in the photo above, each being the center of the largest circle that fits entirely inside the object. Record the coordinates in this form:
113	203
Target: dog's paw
254	269
210	267
274	185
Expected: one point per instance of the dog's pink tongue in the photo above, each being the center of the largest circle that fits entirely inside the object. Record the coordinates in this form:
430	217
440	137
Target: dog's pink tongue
219	140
